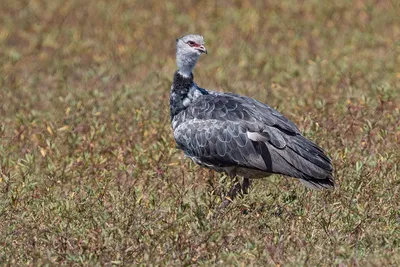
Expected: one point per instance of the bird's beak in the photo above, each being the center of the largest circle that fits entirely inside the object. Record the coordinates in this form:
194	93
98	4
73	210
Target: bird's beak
202	49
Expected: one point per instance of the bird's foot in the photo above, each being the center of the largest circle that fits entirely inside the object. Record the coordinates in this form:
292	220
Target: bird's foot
236	189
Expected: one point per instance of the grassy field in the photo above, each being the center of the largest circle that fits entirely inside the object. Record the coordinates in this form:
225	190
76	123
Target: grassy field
89	172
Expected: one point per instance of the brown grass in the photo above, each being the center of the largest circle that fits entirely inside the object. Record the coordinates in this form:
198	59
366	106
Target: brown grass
89	173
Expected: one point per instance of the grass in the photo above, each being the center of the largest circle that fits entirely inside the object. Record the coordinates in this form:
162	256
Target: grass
89	173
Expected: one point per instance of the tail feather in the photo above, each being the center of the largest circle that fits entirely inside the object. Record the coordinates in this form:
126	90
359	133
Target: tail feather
311	152
303	159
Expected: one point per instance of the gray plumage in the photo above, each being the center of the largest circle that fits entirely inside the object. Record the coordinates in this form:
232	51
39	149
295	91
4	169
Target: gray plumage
237	134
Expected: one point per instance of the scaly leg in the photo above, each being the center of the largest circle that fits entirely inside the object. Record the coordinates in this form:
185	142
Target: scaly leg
237	188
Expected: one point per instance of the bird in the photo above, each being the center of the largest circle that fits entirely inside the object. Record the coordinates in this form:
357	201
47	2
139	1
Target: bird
236	134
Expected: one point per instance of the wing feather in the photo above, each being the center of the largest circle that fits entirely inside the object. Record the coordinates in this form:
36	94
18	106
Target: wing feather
225	130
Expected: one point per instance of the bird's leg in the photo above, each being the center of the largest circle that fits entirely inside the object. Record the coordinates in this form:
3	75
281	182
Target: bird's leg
232	193
246	185
210	180
235	189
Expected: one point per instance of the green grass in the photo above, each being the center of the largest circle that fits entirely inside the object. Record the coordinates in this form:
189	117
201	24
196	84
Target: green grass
89	172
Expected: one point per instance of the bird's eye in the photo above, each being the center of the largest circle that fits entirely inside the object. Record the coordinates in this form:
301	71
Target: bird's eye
191	43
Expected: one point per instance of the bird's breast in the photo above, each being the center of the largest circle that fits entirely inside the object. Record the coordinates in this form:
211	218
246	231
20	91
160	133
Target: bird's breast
193	94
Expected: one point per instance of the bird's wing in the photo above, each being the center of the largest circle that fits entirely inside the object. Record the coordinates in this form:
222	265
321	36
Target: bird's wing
266	114
230	130
218	143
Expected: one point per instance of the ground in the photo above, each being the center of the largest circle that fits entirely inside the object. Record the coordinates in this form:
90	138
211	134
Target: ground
89	172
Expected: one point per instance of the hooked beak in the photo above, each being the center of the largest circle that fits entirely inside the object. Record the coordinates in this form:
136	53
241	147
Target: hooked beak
202	49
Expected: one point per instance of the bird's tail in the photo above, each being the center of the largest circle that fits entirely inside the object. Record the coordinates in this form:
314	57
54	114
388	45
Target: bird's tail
303	159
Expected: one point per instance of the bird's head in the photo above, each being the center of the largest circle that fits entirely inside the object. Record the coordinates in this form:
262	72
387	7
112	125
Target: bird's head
188	50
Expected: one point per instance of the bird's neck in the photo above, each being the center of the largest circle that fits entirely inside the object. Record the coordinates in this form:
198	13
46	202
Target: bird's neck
179	92
185	72
186	64
182	82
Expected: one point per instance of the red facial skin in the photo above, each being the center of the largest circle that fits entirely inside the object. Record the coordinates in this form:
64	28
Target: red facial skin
193	44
